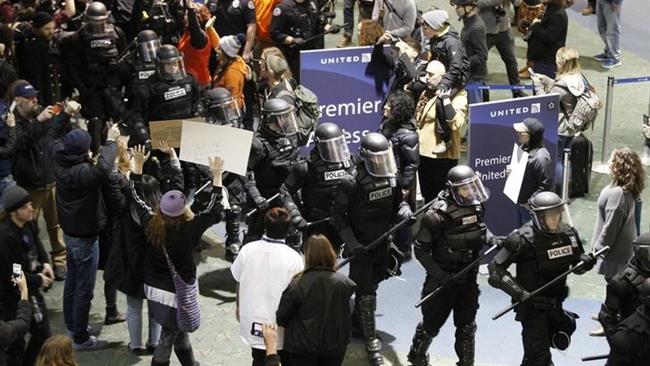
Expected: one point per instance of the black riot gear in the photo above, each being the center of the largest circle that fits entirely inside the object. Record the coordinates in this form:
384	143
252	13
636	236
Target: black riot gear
96	17
221	107
465	186
377	154
170	63
641	246
331	144
279	117
148	45
644	293
550	213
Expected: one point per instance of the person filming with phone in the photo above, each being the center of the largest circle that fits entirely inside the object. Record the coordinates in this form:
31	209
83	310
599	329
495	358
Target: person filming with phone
22	250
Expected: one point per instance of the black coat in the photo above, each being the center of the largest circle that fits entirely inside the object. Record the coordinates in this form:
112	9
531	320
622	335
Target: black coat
474	38
548	35
539	168
79	200
448	49
16	328
315	310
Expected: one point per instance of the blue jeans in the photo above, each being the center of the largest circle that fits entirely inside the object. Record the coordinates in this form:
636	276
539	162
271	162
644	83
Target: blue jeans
609	28
82	259
6	182
134	323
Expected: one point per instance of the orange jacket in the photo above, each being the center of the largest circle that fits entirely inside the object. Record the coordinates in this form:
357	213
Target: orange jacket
197	61
233	79
264	14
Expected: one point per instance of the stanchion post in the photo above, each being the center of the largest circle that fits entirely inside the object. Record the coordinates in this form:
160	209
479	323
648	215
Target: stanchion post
566	172
602	167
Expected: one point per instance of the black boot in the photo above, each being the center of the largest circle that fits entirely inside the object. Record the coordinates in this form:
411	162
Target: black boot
233	243
159	363
367	307
186	357
465	344
418	355
356	320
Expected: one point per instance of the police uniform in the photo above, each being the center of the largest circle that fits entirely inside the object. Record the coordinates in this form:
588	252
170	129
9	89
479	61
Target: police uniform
539	257
163	17
164	99
298	20
232	16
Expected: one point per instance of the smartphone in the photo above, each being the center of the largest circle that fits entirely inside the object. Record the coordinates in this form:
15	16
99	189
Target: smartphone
17	270
57	108
256	330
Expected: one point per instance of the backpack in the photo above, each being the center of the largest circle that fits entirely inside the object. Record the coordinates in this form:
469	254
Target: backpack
585	110
307	111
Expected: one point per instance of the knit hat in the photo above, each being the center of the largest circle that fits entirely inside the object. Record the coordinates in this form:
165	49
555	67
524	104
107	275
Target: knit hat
76	142
14	198
435	18
172	203
276	64
230	45
40	19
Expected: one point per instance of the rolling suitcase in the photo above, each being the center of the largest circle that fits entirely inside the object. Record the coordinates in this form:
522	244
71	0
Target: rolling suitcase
581	157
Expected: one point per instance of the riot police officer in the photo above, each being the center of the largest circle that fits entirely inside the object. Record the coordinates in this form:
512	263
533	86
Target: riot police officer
161	16
318	178
450	237
365	207
91	65
629	340
293	22
273	152
622	297
542	249
220	108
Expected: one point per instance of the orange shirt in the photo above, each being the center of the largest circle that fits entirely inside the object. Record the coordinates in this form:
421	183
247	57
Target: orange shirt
264	14
233	79
197	61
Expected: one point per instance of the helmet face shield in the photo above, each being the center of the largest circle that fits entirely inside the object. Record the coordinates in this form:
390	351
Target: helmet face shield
225	111
283	123
380	163
97	26
469	192
334	150
552	220
147	50
172	69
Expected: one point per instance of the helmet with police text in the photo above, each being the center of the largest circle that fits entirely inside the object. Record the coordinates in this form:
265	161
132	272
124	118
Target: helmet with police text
95	18
331	144
279	117
377	154
170	63
148	45
550	212
221	106
641	247
465	186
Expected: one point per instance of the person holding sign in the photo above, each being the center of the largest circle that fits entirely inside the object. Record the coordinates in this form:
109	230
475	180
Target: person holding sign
542	249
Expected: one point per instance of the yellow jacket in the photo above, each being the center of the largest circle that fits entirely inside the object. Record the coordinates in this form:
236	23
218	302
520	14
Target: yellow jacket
426	122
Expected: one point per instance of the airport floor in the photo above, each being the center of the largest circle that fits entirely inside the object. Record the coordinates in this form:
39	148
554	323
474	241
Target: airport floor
498	342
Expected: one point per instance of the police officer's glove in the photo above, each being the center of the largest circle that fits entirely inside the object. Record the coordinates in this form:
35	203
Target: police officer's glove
405	213
298	41
299	222
261	204
351	250
522	296
335	29
443	278
589	261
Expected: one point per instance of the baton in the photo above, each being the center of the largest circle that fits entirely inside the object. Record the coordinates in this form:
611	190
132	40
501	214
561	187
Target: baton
320	34
269	200
547	285
595	358
375	243
321	221
457	276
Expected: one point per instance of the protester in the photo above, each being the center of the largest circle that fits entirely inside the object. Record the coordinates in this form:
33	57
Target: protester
315	308
608	14
546	36
196	44
263	269
232	72
7	150
10	330
57	351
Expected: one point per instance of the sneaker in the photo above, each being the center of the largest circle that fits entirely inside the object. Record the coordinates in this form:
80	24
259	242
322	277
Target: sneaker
525	74
140	351
60	271
588	11
91	331
602	57
345	41
92	344
612	63
114	318
440	148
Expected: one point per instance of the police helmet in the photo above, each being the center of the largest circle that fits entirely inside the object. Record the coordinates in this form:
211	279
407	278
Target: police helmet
331	144
641	246
148	45
279	117
95	17
377	154
465	186
170	63
550	213
221	106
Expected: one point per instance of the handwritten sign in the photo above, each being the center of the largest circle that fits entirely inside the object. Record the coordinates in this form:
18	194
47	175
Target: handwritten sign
169	130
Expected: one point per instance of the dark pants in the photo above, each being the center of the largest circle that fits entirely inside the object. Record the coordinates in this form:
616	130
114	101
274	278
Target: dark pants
179	341
461	298
308	360
365	12
537	328
259	355
17	354
546	68
432	174
367	275
329	231
505	44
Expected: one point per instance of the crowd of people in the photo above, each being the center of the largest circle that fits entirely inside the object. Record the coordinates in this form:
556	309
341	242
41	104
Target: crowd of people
84	81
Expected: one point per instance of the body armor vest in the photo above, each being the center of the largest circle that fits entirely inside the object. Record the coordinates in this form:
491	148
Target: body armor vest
319	190
170	99
371	212
463	238
272	170
100	51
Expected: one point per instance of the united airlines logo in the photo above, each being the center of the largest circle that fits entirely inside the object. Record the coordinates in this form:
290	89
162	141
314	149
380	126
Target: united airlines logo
559	252
364	58
534	108
335	175
382	193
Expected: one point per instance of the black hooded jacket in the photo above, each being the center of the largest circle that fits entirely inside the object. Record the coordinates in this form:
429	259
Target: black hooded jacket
538	169
449	50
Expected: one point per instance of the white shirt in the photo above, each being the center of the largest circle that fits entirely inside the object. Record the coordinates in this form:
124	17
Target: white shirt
263	270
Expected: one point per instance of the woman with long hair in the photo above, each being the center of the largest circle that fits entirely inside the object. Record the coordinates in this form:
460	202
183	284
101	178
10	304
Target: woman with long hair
170	282
56	351
615	223
315	308
276	77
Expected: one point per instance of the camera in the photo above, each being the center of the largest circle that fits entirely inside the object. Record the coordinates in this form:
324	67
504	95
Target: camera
17	270
499	12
